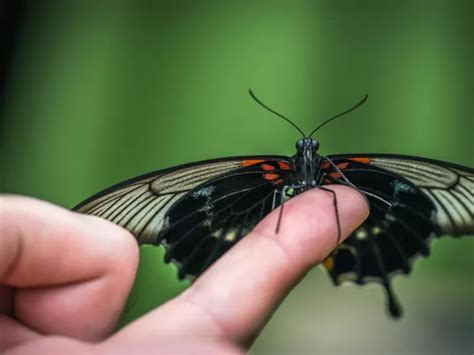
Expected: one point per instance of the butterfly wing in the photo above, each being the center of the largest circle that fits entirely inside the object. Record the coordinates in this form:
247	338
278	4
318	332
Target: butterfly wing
450	187
196	211
429	198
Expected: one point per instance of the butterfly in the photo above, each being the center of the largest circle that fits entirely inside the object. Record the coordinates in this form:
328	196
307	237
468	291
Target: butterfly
198	211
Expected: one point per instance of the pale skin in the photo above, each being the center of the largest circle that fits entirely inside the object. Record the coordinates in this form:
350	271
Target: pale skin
65	277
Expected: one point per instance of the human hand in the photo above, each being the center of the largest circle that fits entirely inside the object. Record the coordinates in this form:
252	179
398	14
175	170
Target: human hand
64	278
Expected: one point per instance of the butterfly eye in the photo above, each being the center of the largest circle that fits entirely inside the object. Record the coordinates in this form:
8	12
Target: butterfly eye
300	145
315	144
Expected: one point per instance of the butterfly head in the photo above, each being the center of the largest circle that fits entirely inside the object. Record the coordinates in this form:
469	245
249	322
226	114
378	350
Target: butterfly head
307	145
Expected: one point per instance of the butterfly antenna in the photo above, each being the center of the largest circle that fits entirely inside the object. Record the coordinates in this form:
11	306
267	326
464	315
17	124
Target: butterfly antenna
276	113
340	114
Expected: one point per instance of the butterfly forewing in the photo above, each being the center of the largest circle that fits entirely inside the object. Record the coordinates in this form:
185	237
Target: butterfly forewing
197	211
140	204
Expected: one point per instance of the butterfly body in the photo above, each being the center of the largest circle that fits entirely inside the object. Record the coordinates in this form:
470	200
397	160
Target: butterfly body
306	164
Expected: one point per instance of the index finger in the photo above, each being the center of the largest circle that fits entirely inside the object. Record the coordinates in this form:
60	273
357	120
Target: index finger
238	294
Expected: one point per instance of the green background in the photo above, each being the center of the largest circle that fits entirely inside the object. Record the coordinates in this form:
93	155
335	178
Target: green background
106	90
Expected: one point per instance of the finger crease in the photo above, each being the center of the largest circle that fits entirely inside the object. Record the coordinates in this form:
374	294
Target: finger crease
288	258
221	326
18	254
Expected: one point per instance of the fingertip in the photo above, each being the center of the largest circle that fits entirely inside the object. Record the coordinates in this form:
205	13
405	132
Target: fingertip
47	232
354	207
108	230
121	246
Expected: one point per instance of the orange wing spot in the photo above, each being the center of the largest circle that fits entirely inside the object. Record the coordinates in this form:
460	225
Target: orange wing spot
328	263
267	167
342	165
361	160
270	176
325	165
250	162
284	166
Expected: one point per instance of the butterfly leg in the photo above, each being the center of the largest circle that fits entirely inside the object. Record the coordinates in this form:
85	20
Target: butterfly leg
362	192
284	193
334	166
347	182
274	201
336	210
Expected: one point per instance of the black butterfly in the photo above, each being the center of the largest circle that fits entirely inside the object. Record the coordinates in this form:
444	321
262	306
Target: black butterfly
198	211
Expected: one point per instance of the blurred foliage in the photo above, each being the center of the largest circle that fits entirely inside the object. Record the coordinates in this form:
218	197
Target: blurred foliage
103	91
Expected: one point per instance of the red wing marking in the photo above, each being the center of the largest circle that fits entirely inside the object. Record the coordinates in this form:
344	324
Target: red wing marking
251	162
270	176
284	166
267	167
